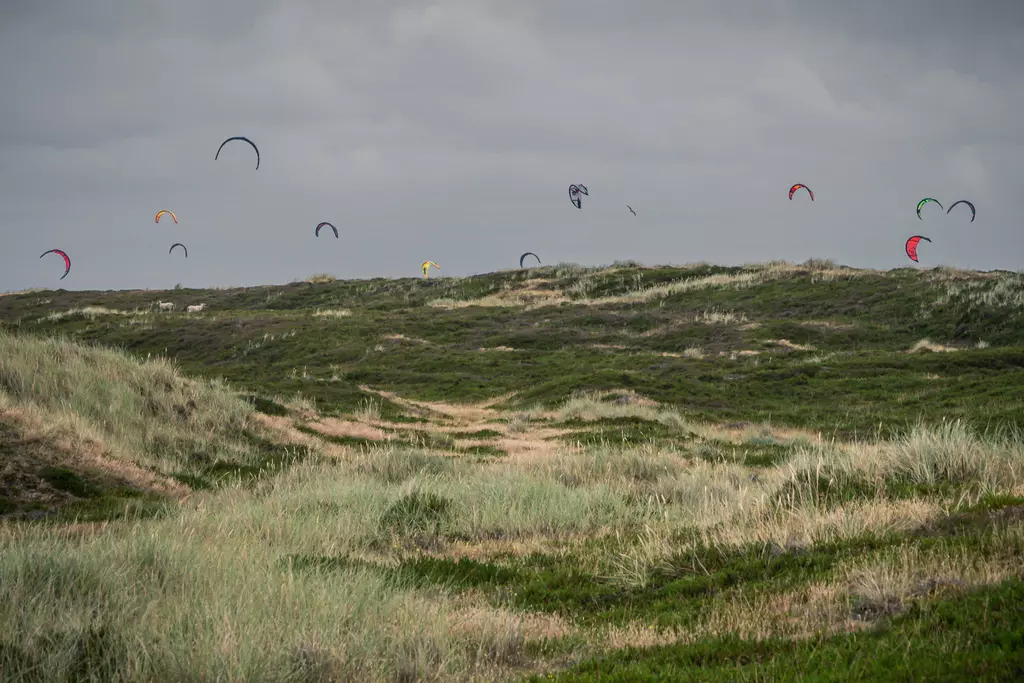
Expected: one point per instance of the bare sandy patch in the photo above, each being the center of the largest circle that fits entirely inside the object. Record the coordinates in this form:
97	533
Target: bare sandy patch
533	453
640	635
472	616
331	426
741	432
536	442
282	430
487	549
496	400
465	413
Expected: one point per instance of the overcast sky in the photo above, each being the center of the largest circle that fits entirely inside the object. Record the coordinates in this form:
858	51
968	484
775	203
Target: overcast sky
451	130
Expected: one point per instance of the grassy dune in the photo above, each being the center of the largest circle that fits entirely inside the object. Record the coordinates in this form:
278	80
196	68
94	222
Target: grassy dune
619	473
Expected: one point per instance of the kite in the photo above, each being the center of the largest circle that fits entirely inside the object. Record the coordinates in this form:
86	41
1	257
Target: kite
574	197
796	187
583	189
329	226
911	247
925	201
529	253
244	139
170	213
178	244
630	209
425	267
67	260
964	201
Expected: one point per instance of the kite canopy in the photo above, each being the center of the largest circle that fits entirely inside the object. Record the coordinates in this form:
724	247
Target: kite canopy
67	260
178	244
796	187
425	267
574	196
243	139
911	246
170	213
925	201
329	226
529	253
964	201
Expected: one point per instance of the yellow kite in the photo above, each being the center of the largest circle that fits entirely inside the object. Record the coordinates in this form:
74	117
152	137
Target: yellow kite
425	267
161	213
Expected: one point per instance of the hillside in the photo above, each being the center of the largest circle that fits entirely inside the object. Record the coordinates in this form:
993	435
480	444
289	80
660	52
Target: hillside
615	473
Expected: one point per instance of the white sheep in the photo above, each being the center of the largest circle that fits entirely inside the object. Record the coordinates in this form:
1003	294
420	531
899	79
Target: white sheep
165	305
195	308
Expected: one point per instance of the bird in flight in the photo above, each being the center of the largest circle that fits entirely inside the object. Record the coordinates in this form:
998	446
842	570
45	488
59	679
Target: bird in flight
630	209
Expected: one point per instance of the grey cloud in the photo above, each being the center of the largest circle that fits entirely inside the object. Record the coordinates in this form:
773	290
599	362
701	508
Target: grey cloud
451	130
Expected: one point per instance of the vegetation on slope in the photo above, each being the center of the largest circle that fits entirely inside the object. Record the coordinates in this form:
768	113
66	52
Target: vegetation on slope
83	424
589	474
768	342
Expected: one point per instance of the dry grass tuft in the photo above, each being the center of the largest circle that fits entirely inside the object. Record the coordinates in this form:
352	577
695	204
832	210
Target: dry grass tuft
92	312
928	346
591	407
693	352
332	313
299	406
526	298
716	317
32	290
369	410
786	344
402	337
981	290
751	276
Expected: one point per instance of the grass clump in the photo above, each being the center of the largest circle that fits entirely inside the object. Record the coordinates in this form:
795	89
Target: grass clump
397	465
417	513
598	406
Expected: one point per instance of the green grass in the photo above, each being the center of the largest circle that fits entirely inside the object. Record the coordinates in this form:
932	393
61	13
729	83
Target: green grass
923	644
684	585
875	318
775	471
